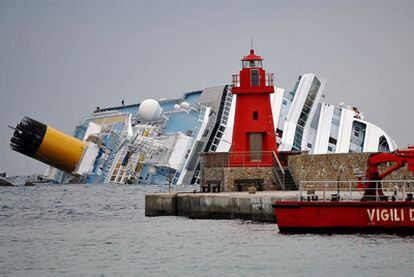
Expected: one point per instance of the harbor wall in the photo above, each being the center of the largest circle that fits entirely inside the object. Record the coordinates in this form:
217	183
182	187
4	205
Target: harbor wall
258	206
333	167
237	205
303	167
228	177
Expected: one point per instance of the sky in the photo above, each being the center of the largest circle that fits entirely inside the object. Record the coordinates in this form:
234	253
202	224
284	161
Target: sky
61	59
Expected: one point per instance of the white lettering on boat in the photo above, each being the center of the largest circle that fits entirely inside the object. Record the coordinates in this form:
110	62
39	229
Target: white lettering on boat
371	213
396	218
388	215
385	215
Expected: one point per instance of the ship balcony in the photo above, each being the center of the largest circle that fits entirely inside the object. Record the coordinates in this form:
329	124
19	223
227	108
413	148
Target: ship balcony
236	80
268	80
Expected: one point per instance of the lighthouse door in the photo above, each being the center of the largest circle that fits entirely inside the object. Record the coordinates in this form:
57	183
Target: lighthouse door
256	146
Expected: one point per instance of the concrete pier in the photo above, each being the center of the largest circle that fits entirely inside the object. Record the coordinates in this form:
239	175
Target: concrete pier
225	205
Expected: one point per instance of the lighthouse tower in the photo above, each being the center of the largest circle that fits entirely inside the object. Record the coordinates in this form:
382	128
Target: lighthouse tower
254	137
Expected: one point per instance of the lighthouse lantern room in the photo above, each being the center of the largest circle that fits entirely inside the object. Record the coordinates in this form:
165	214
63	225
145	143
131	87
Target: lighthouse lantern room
254	139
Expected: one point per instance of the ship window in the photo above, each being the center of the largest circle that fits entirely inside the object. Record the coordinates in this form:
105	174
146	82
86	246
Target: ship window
279	132
309	145
254	77
332	140
383	145
205	132
255	115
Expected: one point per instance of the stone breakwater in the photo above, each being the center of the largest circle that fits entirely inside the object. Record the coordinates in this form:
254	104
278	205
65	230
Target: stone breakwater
231	205
342	167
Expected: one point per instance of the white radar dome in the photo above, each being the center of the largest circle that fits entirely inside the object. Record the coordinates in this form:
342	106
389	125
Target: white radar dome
149	110
185	105
176	107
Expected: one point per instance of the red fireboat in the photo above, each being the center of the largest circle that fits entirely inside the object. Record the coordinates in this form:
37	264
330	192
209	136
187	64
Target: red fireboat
374	211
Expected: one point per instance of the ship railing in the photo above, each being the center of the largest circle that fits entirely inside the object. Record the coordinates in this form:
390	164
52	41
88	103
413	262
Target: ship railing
392	190
269	79
236	80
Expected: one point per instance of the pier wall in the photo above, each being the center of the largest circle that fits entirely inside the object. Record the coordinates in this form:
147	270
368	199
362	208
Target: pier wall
332	167
257	207
303	167
228	176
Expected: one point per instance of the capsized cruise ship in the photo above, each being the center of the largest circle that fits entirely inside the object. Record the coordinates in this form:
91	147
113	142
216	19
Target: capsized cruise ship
159	141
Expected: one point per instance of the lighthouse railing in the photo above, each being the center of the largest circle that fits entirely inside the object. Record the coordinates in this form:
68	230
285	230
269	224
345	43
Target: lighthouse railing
269	80
278	170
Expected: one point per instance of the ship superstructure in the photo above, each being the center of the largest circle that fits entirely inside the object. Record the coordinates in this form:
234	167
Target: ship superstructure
306	123
164	148
155	142
159	141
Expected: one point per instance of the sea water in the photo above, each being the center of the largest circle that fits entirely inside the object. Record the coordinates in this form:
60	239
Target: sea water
101	230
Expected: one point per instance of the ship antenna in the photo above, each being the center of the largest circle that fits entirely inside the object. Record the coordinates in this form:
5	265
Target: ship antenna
251	43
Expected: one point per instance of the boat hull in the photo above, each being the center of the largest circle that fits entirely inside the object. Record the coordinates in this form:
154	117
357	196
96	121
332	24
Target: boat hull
345	217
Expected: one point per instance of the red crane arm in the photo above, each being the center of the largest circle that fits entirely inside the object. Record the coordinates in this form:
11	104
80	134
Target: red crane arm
398	157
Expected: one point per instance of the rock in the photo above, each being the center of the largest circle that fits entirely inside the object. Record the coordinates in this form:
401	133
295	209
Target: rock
252	190
5	183
29	184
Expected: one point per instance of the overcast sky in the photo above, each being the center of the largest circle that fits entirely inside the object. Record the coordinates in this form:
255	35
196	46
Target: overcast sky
61	59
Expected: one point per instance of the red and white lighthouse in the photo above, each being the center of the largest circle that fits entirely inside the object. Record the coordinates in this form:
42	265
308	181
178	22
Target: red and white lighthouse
254	137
